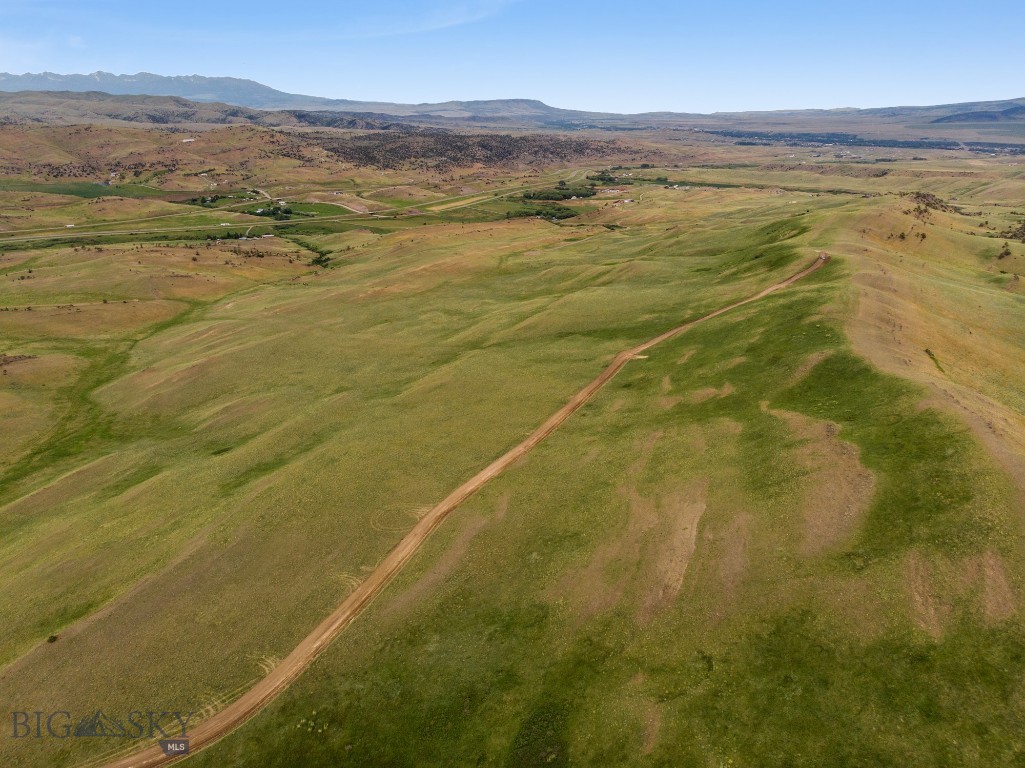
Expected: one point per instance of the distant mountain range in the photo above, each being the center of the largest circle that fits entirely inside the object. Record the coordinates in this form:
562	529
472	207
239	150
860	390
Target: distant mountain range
64	108
103	96
248	93
1015	112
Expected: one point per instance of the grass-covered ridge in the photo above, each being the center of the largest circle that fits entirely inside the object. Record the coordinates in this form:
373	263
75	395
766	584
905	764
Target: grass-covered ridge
765	656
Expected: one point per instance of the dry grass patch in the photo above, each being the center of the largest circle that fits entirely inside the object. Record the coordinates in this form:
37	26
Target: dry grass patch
836	490
82	321
346	201
404	193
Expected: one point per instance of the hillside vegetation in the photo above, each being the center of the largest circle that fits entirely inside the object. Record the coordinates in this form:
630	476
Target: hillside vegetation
788	535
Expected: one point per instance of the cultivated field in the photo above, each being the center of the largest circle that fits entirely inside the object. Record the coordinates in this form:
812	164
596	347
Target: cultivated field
790	534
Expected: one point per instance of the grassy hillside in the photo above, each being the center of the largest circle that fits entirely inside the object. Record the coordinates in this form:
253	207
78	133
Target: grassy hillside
788	535
754	549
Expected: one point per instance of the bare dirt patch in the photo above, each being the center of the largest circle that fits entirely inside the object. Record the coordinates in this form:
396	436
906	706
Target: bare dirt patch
652	726
665	401
809	362
734	558
707	393
672	551
929	613
685	357
837	489
977	584
734	362
997	596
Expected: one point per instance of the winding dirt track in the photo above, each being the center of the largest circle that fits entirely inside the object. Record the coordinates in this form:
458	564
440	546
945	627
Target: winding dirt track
256	698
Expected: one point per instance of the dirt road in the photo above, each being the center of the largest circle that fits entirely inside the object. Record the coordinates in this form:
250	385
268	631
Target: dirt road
257	697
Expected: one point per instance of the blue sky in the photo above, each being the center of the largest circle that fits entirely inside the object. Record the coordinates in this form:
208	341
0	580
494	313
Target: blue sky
628	56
